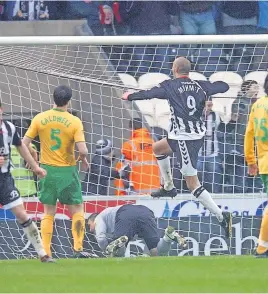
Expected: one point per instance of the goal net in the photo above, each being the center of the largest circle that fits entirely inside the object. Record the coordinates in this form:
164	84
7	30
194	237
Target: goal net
99	70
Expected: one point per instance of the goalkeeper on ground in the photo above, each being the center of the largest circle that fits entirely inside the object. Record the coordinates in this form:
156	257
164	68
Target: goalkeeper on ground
59	131
115	226
257	130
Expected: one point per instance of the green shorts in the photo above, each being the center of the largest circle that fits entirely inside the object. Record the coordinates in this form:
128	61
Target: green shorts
61	183
264	179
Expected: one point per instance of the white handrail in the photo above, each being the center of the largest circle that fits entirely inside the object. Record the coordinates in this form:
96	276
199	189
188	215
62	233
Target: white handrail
134	40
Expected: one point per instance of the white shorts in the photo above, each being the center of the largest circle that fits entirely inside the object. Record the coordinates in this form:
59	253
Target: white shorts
187	154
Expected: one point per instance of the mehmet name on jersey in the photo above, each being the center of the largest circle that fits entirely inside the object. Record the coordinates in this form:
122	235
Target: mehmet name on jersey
188	86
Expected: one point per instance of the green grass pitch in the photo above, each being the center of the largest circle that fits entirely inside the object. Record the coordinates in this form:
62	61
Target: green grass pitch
140	275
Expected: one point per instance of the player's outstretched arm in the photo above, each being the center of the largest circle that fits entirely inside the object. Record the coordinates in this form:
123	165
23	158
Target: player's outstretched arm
155	92
26	155
214	88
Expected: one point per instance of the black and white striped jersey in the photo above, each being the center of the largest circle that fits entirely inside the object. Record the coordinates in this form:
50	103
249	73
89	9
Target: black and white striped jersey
210	147
8	136
186	99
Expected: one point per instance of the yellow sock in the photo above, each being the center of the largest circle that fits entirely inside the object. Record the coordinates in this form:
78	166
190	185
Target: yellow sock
263	237
78	230
47	232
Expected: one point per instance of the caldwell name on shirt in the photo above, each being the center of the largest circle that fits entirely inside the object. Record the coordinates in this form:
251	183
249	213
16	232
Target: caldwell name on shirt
54	118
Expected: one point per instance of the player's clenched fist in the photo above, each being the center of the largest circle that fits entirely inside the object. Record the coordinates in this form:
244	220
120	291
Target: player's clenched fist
84	163
252	169
40	172
2	160
125	95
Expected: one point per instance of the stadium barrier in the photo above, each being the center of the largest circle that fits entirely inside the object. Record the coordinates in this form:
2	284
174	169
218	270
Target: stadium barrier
41	28
181	206
202	231
203	235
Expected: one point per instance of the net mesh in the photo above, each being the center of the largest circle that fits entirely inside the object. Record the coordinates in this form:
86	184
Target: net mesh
98	75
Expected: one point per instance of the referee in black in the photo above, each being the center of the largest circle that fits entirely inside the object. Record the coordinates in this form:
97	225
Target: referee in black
9	194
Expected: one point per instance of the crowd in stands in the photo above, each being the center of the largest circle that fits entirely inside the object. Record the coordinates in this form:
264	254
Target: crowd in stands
177	18
148	17
158	18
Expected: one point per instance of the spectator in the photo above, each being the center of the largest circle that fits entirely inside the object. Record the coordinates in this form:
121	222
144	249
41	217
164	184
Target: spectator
240	111
59	10
138	152
263	17
209	163
148	18
124	185
3	5
29	10
82	9
97	179
239	17
103	17
231	139
197	18
35	10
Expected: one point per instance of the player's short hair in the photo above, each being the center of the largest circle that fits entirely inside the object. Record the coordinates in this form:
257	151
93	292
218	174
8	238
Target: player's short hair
135	123
266	85
92	217
182	65
62	95
246	85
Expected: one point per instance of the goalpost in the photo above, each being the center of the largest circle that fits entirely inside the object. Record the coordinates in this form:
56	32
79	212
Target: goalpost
99	70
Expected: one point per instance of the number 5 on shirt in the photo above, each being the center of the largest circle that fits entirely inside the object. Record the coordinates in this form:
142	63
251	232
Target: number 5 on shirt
262	125
54	136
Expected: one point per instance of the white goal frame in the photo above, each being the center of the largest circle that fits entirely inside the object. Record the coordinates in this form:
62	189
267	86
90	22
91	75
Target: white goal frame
31	203
134	40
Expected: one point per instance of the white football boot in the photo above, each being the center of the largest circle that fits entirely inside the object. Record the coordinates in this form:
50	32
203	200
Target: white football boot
112	248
